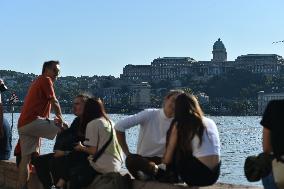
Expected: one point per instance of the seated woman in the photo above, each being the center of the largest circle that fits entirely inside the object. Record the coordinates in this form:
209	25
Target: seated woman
46	165
193	146
98	130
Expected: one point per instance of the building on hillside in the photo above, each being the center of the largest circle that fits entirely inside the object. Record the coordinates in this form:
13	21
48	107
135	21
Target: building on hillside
219	52
264	98
268	64
208	69
171	68
141	95
137	72
175	68
203	98
111	96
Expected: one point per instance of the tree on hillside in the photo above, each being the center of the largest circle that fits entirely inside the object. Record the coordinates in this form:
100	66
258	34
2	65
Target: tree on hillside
236	84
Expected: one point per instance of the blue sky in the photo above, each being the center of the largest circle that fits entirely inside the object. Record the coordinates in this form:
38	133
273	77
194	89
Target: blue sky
92	37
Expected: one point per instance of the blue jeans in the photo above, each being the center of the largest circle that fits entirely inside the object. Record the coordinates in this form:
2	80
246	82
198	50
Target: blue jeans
5	142
268	182
5	155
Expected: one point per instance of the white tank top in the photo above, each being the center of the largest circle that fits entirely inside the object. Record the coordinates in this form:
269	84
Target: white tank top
210	140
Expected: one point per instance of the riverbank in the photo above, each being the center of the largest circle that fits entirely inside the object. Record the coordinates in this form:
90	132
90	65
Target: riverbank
9	175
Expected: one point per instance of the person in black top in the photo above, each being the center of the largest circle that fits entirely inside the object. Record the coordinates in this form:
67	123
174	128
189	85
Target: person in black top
273	135
64	144
5	133
5	139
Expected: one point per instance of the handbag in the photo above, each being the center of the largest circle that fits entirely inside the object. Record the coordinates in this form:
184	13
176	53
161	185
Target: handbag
257	167
83	175
278	173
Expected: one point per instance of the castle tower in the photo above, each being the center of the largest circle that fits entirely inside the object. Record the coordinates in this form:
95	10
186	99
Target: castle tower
219	52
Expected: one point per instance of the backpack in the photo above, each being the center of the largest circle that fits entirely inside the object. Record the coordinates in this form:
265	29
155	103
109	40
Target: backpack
257	167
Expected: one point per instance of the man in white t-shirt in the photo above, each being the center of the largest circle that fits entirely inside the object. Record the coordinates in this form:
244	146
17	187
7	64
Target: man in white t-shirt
154	124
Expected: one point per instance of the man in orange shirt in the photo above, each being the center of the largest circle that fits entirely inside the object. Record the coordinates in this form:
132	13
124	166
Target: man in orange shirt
33	122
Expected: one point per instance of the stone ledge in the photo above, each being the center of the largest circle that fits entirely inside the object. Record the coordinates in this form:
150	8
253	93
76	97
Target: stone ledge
153	185
9	177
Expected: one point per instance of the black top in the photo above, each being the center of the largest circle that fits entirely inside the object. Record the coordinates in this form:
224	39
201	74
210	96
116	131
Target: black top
5	143
273	119
66	140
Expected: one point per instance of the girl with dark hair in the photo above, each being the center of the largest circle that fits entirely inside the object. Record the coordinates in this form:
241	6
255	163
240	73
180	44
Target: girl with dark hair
97	127
98	131
193	146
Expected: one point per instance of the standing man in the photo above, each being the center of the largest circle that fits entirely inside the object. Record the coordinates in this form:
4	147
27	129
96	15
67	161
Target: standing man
34	119
154	124
5	131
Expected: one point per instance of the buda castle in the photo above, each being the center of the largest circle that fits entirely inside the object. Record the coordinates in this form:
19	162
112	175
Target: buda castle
174	68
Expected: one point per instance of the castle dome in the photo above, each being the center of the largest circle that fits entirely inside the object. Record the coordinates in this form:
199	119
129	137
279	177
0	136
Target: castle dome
218	45
219	51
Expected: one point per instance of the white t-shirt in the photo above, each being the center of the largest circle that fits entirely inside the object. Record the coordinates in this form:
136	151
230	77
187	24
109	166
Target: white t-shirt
210	140
97	134
153	130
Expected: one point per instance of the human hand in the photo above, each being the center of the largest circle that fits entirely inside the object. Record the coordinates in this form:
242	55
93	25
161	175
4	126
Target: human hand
65	125
58	153
60	123
79	147
57	121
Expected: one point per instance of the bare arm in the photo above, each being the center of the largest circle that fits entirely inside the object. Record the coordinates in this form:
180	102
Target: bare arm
122	141
168	156
121	126
266	144
87	149
56	107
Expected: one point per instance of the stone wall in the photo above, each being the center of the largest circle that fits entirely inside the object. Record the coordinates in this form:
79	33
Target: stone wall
9	177
8	174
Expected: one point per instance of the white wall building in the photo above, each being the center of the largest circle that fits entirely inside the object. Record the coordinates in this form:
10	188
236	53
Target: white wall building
141	95
264	98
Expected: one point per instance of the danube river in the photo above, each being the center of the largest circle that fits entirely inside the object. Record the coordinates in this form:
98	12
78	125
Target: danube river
240	137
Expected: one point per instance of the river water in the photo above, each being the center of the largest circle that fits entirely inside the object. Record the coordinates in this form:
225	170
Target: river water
240	137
